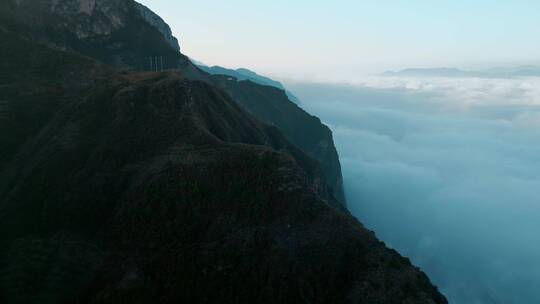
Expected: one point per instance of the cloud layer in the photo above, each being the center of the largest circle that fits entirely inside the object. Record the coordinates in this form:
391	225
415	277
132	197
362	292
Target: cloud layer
447	171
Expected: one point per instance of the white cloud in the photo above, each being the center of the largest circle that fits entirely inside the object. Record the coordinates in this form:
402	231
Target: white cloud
465	91
447	171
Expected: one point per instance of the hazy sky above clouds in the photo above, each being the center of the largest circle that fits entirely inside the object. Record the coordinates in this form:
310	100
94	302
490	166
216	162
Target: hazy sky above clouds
307	38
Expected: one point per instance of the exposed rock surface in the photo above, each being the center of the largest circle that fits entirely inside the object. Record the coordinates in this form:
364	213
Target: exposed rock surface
118	32
87	19
156	21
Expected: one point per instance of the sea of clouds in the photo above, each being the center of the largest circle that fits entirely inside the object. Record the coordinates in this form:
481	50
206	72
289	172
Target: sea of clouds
447	171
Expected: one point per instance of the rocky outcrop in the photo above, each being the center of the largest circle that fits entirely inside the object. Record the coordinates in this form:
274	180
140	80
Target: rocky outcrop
92	19
156	21
122	33
153	188
86	19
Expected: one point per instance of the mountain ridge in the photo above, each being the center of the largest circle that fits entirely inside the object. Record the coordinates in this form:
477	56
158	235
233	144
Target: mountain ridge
498	72
245	74
117	34
124	186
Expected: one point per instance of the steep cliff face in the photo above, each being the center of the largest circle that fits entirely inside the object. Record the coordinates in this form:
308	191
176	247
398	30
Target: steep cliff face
86	19
153	188
156	21
271	105
118	32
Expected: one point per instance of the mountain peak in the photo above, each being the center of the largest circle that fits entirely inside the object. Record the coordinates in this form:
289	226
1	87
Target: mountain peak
156	21
94	18
496	72
122	33
427	72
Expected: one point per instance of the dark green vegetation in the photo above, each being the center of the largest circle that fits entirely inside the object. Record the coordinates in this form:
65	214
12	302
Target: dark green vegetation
130	187
272	106
125	40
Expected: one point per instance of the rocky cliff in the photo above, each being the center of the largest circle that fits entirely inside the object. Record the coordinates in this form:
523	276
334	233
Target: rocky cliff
156	21
117	32
272	106
139	187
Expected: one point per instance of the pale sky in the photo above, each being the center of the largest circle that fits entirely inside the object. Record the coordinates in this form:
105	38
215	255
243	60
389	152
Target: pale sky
308	38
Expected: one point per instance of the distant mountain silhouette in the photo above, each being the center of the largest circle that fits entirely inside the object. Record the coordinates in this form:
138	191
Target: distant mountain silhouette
498	72
245	74
432	72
